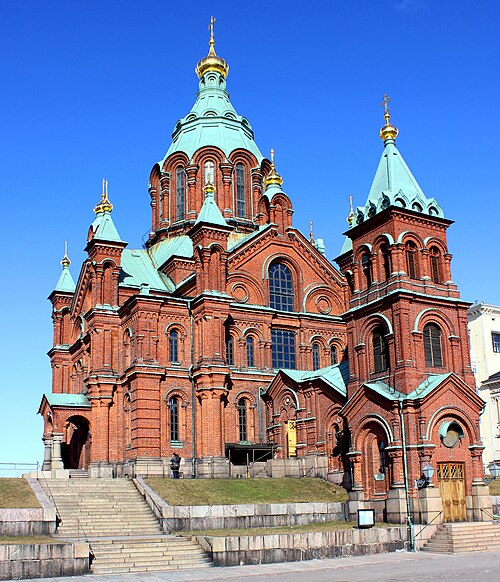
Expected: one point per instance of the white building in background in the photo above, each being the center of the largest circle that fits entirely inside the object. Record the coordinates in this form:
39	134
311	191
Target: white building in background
484	334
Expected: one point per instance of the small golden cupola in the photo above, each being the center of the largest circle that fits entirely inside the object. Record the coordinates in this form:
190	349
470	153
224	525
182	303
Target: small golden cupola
104	205
273	178
212	62
388	131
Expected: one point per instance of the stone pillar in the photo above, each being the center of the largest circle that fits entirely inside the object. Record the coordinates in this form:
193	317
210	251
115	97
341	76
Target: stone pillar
480	507
56	461
355	497
47	453
430	505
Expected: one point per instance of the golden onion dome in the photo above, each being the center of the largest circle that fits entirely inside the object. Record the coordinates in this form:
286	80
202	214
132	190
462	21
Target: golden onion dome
212	62
104	205
273	177
388	131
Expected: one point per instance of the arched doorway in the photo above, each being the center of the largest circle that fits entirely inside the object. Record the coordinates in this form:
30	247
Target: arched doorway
75	449
376	467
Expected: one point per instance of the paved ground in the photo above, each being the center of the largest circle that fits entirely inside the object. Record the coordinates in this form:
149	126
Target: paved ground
398	566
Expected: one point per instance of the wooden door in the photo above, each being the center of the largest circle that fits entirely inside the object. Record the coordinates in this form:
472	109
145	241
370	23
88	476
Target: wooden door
291	438
451	480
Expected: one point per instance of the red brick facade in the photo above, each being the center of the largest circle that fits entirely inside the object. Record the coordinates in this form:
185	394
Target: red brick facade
182	361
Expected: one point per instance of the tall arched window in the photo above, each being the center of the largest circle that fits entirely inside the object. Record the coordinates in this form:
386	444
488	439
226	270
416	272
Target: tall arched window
315	354
380	350
180	193
173	409
333	355
242	419
366	266
381	450
230	350
432	346
435	261
241	209
411	259
250	352
173	346
386	260
280	287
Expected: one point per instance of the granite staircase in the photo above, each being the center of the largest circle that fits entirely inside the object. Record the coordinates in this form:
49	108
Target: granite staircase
123	532
454	538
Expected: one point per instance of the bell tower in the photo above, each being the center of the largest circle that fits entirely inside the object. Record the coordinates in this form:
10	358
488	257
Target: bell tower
405	320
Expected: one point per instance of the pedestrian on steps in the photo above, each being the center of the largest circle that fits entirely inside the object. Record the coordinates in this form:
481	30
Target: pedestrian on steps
175	463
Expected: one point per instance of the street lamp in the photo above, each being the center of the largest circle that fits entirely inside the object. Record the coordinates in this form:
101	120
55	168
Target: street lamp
494	470
428	472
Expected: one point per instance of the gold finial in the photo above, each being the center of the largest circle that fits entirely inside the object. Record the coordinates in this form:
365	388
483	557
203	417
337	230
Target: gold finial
350	218
65	260
273	177
212	62
104	205
311	235
388	131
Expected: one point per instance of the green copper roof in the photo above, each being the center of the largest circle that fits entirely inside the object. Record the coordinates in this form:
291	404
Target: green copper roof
65	283
213	121
210	213
69	400
424	388
336	376
395	185
139	271
177	246
104	228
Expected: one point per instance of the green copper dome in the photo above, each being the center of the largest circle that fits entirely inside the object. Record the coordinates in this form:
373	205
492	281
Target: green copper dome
213	121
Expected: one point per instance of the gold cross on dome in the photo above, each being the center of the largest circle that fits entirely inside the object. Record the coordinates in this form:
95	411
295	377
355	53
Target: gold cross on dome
385	103
211	26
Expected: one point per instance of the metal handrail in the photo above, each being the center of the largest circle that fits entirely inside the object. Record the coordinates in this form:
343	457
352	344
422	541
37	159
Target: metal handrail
428	524
85	537
493	516
58	514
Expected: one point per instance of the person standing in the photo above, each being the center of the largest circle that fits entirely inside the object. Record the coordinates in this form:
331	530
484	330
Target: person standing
175	463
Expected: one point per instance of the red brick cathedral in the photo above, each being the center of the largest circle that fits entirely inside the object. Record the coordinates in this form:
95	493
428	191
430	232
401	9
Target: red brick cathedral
232	340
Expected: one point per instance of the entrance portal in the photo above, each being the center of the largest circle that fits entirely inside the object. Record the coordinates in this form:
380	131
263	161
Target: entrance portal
451	480
75	449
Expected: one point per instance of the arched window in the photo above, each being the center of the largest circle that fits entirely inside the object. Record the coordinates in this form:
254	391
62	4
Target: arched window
366	266
242	419
386	260
280	287
250	352
334	355
173	408
180	193
380	350
173	346
411	259
127	347
230	350
432	346
241	209
315	353
435	260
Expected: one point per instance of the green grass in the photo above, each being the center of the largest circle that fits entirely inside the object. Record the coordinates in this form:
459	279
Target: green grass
495	487
241	491
260	531
23	540
16	493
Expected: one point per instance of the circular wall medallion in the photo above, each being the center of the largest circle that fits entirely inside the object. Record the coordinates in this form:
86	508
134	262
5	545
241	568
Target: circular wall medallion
323	304
239	292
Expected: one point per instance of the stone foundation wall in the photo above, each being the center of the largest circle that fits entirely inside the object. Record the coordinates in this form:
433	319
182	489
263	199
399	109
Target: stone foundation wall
43	560
495	503
30	521
266	549
203	517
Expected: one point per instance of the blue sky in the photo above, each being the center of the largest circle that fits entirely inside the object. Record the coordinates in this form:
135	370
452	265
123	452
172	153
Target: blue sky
93	89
